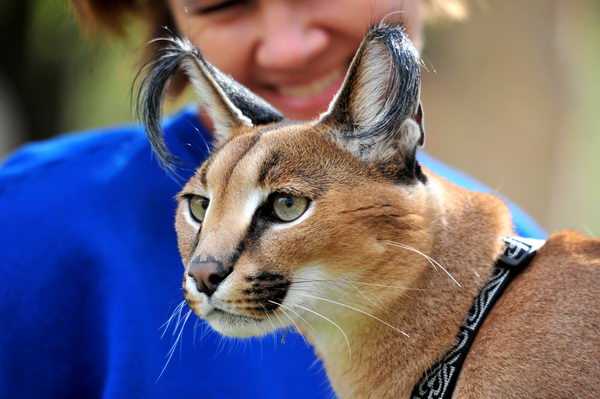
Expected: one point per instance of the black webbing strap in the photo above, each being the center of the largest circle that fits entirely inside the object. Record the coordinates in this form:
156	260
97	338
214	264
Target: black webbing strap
439	381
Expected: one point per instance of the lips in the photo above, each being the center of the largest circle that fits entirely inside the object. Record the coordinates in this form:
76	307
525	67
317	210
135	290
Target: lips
313	88
305	100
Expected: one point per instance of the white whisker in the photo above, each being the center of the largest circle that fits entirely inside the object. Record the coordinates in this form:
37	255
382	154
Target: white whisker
297	280
174	346
294	312
179	319
272	324
400	287
195	330
360	311
280	321
176	313
292	320
429	258
364	295
332	322
300	289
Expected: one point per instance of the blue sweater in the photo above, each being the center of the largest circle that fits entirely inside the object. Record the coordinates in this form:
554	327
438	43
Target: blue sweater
90	271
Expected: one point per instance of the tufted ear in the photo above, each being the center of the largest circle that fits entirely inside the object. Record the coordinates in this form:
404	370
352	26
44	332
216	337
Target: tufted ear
377	114
229	104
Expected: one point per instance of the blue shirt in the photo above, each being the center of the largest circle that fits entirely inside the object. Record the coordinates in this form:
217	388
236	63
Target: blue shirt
90	271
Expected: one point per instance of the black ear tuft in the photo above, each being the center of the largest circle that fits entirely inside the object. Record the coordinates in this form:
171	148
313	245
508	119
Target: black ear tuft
228	103
158	72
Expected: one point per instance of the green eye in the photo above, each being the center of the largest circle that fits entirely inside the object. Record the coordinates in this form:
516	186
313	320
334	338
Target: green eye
198	206
289	207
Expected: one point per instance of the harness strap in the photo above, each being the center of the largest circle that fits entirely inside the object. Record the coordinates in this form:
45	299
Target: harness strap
440	380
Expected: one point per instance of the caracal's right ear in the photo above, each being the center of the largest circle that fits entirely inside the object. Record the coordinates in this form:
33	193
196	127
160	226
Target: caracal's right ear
230	105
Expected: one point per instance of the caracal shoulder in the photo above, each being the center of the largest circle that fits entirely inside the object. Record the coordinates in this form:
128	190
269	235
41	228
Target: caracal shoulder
542	338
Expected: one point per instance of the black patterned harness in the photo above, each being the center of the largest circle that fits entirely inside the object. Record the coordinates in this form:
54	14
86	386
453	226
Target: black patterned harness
439	381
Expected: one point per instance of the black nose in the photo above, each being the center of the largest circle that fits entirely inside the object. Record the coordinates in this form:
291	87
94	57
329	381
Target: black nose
208	274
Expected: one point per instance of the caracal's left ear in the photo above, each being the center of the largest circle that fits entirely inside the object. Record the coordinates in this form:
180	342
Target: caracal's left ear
230	105
377	114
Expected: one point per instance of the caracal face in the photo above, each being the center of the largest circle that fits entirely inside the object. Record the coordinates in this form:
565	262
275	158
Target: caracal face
340	241
285	220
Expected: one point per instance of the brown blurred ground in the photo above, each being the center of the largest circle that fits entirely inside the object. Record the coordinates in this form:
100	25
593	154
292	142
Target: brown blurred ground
512	96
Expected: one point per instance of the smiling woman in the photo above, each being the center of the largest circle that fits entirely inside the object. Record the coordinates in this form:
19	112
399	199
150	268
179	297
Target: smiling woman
292	53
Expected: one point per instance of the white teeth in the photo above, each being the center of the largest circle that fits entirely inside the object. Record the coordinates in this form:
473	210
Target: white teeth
313	88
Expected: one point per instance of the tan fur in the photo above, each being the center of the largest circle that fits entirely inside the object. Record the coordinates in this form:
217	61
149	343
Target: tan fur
381	270
542	333
544	330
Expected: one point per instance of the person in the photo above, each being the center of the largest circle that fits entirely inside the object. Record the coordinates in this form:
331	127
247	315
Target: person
90	269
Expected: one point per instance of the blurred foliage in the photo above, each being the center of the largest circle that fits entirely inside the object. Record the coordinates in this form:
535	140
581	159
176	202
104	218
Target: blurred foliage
96	75
62	79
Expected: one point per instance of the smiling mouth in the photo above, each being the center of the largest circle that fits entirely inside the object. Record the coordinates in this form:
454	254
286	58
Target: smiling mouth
312	88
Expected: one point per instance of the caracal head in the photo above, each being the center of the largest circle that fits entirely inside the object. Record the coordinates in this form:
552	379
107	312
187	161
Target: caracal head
285	219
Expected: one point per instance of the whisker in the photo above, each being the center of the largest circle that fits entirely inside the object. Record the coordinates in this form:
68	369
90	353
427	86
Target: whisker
374	302
268	316
176	313
361	283
364	295
429	258
400	287
196	323
294	312
293	288
178	321
272	324
297	280
332	322
174	346
292	320
280	322
205	332
360	311
352	283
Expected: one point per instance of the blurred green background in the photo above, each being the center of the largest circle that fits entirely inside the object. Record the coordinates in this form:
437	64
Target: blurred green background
512	95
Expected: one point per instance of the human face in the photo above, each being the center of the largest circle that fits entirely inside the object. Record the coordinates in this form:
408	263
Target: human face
293	53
